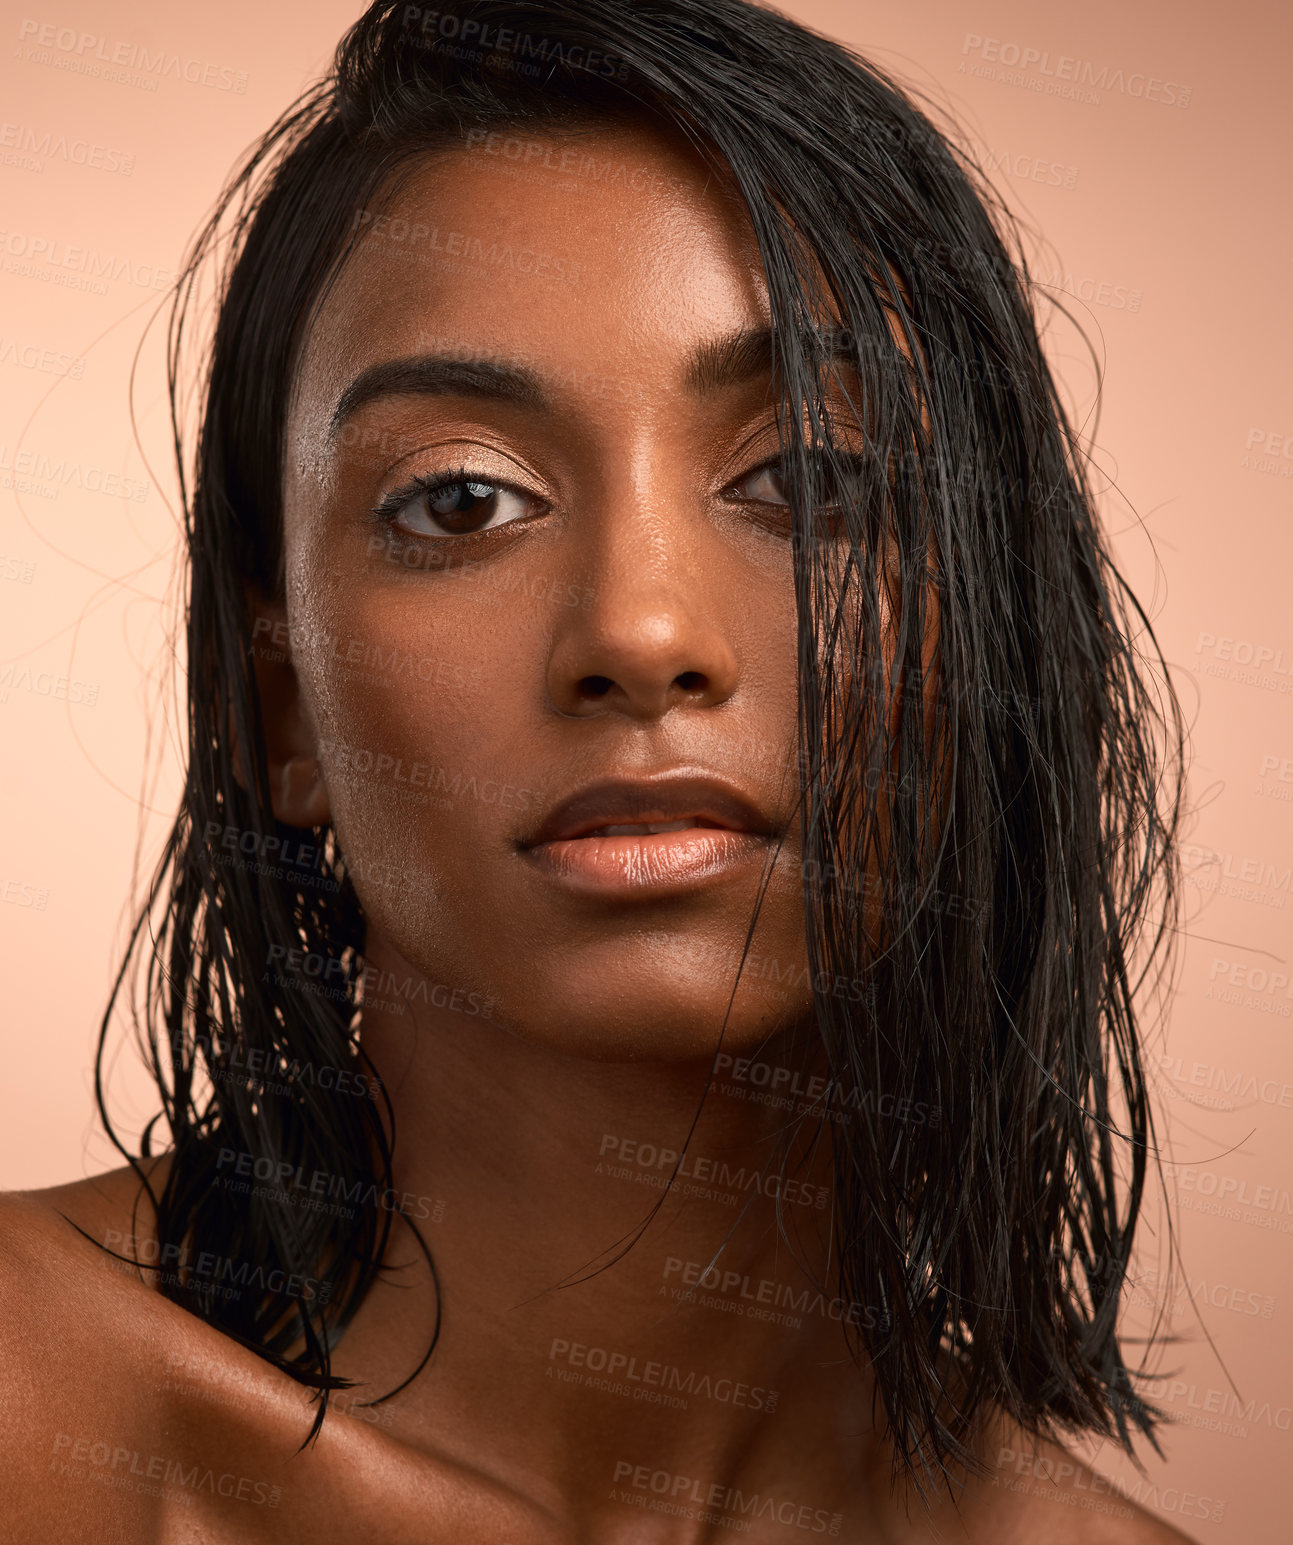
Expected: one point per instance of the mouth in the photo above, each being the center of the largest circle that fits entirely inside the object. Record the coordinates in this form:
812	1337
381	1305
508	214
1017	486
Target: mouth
647	858
651	838
650	828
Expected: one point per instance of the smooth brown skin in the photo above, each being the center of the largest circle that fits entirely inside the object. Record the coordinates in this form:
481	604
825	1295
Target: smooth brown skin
605	1015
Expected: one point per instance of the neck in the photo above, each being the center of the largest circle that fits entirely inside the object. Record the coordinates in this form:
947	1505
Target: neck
600	1324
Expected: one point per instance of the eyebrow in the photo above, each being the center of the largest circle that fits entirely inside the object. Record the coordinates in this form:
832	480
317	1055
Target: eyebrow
747	355
439	375
731	360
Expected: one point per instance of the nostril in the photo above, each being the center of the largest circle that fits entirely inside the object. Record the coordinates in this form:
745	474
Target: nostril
691	681
596	686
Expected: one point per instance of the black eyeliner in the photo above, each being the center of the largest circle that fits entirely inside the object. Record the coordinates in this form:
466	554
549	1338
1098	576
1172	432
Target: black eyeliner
392	503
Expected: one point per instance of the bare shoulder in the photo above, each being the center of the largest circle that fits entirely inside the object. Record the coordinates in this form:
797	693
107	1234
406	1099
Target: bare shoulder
65	1255
1038	1490
124	1418
58	1246
113	1204
73	1323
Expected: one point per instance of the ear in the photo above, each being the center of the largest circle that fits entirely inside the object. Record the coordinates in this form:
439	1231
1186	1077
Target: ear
295	777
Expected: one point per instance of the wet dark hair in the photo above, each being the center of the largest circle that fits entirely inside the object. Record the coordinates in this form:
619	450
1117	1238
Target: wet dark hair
1026	879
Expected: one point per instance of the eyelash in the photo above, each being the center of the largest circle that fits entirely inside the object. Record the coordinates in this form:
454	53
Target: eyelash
393	503
427	487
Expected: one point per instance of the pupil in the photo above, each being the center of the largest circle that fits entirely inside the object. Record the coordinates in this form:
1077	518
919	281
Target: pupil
460	499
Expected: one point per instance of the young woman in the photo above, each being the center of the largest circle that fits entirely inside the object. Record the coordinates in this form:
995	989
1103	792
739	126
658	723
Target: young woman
641	980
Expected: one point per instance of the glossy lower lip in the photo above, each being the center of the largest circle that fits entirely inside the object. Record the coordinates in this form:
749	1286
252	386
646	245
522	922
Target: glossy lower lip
653	864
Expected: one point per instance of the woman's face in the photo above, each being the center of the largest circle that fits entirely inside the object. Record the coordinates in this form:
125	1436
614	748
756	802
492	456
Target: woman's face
601	594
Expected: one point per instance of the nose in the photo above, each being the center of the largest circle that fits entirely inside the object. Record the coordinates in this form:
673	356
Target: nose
656	634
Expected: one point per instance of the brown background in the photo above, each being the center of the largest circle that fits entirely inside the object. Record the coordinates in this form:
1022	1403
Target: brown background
1166	221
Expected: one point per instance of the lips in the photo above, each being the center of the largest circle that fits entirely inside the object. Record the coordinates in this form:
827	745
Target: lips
647	828
646	807
650	839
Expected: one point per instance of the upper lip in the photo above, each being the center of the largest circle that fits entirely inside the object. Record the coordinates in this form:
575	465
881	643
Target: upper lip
666	797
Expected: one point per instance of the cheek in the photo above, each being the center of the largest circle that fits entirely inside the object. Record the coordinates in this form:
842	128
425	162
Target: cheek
409	698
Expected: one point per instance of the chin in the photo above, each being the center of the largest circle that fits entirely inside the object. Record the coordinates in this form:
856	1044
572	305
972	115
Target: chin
608	1021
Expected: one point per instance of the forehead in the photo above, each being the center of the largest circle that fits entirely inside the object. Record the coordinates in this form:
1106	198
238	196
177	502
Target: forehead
611	247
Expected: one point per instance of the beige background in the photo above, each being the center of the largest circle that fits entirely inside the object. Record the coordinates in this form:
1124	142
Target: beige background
1167	223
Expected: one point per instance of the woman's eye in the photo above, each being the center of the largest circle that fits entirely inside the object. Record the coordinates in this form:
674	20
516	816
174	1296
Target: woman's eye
762	487
766	485
460	506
